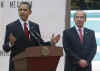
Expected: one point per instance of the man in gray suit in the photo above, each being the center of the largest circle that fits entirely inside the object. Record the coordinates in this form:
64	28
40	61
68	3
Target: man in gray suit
23	33
79	44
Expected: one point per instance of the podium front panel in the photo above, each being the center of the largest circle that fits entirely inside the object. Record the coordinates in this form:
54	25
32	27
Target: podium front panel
21	65
43	63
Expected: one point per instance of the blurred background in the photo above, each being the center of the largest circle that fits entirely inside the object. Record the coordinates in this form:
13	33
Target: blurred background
85	4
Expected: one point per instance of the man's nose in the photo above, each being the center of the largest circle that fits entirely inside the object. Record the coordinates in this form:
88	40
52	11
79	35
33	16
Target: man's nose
22	11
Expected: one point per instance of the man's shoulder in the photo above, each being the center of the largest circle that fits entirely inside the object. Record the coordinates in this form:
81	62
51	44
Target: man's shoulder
89	30
69	29
13	23
33	23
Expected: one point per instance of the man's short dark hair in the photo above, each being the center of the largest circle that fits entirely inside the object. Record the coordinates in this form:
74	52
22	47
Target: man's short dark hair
27	3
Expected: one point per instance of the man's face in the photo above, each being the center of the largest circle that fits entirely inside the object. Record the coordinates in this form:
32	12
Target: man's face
24	12
80	19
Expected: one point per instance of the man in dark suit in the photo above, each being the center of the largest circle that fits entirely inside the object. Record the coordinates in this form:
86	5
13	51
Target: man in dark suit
79	44
23	33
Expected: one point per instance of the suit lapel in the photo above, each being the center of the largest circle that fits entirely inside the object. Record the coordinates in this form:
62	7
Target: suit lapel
76	36
31	26
20	29
85	38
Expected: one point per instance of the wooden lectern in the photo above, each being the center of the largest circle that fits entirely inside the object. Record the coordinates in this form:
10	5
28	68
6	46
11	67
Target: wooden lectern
43	58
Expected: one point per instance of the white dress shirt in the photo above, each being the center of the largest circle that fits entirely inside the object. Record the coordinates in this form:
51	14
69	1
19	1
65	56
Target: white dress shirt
22	23
77	29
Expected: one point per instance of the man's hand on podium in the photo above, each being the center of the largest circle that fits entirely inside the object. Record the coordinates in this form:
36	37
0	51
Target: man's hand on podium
55	39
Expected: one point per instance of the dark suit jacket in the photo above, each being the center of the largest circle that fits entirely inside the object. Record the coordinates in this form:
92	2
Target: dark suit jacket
75	50
21	42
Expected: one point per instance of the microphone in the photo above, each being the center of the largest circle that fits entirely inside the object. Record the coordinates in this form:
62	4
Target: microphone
36	36
33	35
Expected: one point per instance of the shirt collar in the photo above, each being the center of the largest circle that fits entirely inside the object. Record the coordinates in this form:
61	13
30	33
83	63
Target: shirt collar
78	28
22	22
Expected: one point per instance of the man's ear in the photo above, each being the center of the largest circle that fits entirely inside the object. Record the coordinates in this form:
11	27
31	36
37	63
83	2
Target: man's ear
30	12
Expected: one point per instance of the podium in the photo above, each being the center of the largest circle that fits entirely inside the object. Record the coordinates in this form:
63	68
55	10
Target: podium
42	58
